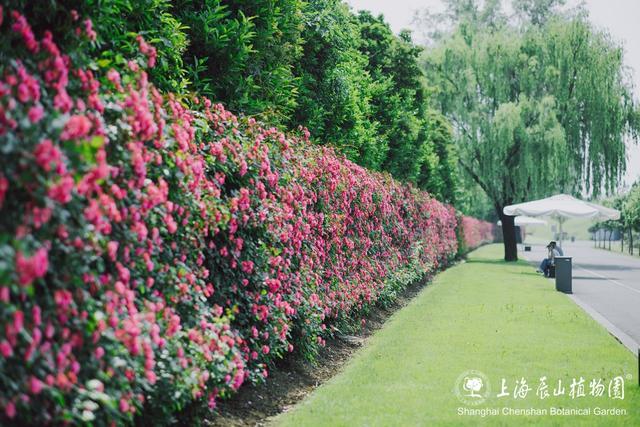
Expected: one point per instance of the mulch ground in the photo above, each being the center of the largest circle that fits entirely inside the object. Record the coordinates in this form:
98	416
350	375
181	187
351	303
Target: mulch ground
293	378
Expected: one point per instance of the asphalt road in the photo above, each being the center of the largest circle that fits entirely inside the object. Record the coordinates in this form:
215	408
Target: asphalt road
606	284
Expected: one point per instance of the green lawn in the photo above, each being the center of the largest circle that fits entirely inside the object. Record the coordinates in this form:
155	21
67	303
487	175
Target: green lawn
500	319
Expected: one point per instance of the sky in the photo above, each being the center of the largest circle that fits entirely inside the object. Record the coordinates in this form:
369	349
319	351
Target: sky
619	17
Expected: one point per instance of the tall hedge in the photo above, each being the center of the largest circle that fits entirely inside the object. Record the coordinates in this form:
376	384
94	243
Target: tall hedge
157	251
353	83
473	232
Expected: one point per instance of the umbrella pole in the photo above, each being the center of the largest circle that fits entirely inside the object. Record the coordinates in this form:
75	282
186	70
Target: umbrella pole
560	221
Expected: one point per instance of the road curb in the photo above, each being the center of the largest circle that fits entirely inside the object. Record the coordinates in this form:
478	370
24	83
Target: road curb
616	332
613	330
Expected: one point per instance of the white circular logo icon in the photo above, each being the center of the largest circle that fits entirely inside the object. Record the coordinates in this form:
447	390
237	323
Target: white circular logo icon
472	387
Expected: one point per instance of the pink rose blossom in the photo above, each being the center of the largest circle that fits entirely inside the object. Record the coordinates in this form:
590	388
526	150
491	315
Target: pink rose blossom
48	156
77	126
114	77
36	315
172	227
61	191
5	349
247	266
88	29
21	26
124	405
10	410
35	113
4	186
98	352
112	249
32	268
18	320
35	385
147	50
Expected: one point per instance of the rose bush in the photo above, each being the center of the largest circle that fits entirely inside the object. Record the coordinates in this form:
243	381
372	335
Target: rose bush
157	251
474	232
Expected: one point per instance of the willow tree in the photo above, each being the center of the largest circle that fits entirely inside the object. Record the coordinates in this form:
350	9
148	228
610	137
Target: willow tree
631	213
536	108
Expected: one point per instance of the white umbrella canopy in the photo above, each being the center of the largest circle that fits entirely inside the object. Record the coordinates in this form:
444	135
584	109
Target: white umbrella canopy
562	206
527	220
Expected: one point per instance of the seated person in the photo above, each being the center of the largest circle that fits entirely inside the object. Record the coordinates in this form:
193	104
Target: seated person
554	251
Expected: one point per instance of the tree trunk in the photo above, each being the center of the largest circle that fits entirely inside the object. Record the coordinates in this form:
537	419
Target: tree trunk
508	236
622	239
630	245
610	237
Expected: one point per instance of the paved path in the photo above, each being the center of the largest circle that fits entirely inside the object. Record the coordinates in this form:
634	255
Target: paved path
607	285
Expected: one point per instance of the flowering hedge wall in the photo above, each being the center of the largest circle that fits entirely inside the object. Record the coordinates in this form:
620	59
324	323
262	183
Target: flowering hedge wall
475	232
158	251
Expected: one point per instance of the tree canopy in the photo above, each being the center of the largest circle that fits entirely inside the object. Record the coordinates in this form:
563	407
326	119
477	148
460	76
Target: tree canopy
538	105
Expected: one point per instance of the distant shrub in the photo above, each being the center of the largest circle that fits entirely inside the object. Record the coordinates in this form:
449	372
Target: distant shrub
473	233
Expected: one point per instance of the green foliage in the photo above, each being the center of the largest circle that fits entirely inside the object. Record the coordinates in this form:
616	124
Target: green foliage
335	93
631	208
117	24
243	53
472	201
416	141
612	225
399	102
439	161
524	100
539	105
290	63
536	12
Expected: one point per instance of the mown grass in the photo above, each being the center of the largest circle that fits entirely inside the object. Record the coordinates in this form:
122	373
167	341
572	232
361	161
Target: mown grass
486	315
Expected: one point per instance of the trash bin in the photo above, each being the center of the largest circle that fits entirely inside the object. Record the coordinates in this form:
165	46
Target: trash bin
563	274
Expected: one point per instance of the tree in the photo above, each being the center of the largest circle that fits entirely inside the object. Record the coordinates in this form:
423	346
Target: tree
398	102
631	212
244	53
619	225
537	12
335	90
418	140
438	172
536	109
